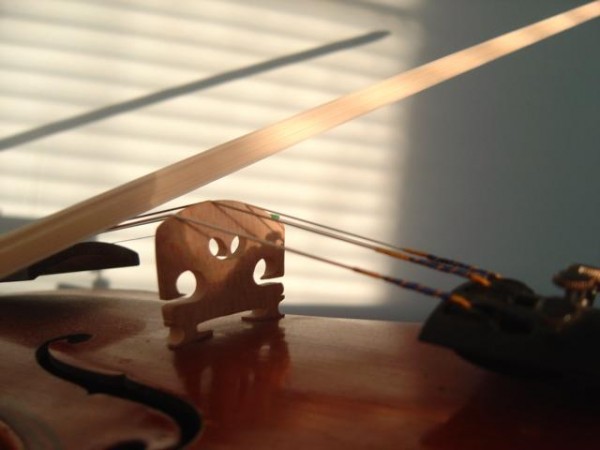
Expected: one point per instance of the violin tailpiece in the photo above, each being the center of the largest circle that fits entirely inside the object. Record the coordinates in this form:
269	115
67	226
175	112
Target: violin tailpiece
223	264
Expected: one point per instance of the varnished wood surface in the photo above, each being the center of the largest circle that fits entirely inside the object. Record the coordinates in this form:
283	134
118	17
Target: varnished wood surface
301	382
47	413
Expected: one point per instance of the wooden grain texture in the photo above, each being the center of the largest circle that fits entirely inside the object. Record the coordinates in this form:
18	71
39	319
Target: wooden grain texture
56	232
311	382
224	276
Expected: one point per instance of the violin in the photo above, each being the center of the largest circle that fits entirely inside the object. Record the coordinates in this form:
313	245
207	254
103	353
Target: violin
92	370
99	370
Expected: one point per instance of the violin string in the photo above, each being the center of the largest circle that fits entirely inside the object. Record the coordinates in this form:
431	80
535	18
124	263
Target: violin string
446	268
147	218
136	223
409	285
433	262
436	263
381	243
133	239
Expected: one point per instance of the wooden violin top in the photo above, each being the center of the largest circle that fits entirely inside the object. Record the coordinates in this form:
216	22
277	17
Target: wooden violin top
302	382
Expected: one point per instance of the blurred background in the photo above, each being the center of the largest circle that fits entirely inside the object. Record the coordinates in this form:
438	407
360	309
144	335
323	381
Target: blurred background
498	167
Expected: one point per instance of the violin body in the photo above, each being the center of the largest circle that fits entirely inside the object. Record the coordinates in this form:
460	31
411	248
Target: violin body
92	370
294	383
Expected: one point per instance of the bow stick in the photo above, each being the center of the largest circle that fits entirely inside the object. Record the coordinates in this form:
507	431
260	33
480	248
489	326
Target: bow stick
33	242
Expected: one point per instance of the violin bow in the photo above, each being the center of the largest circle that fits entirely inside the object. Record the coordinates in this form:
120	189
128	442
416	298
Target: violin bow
49	235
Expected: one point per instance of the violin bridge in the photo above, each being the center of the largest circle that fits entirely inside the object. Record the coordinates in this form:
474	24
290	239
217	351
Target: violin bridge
223	261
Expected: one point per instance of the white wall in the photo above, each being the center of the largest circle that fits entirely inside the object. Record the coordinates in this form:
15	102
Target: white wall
502	166
496	167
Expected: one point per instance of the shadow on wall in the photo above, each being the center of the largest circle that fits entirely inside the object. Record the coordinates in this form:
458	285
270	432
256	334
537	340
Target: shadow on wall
11	223
185	89
502	162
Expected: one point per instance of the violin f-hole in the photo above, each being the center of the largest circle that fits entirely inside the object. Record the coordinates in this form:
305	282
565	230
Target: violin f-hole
118	385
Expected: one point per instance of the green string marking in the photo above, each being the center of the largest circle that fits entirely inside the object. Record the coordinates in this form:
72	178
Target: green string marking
446	296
